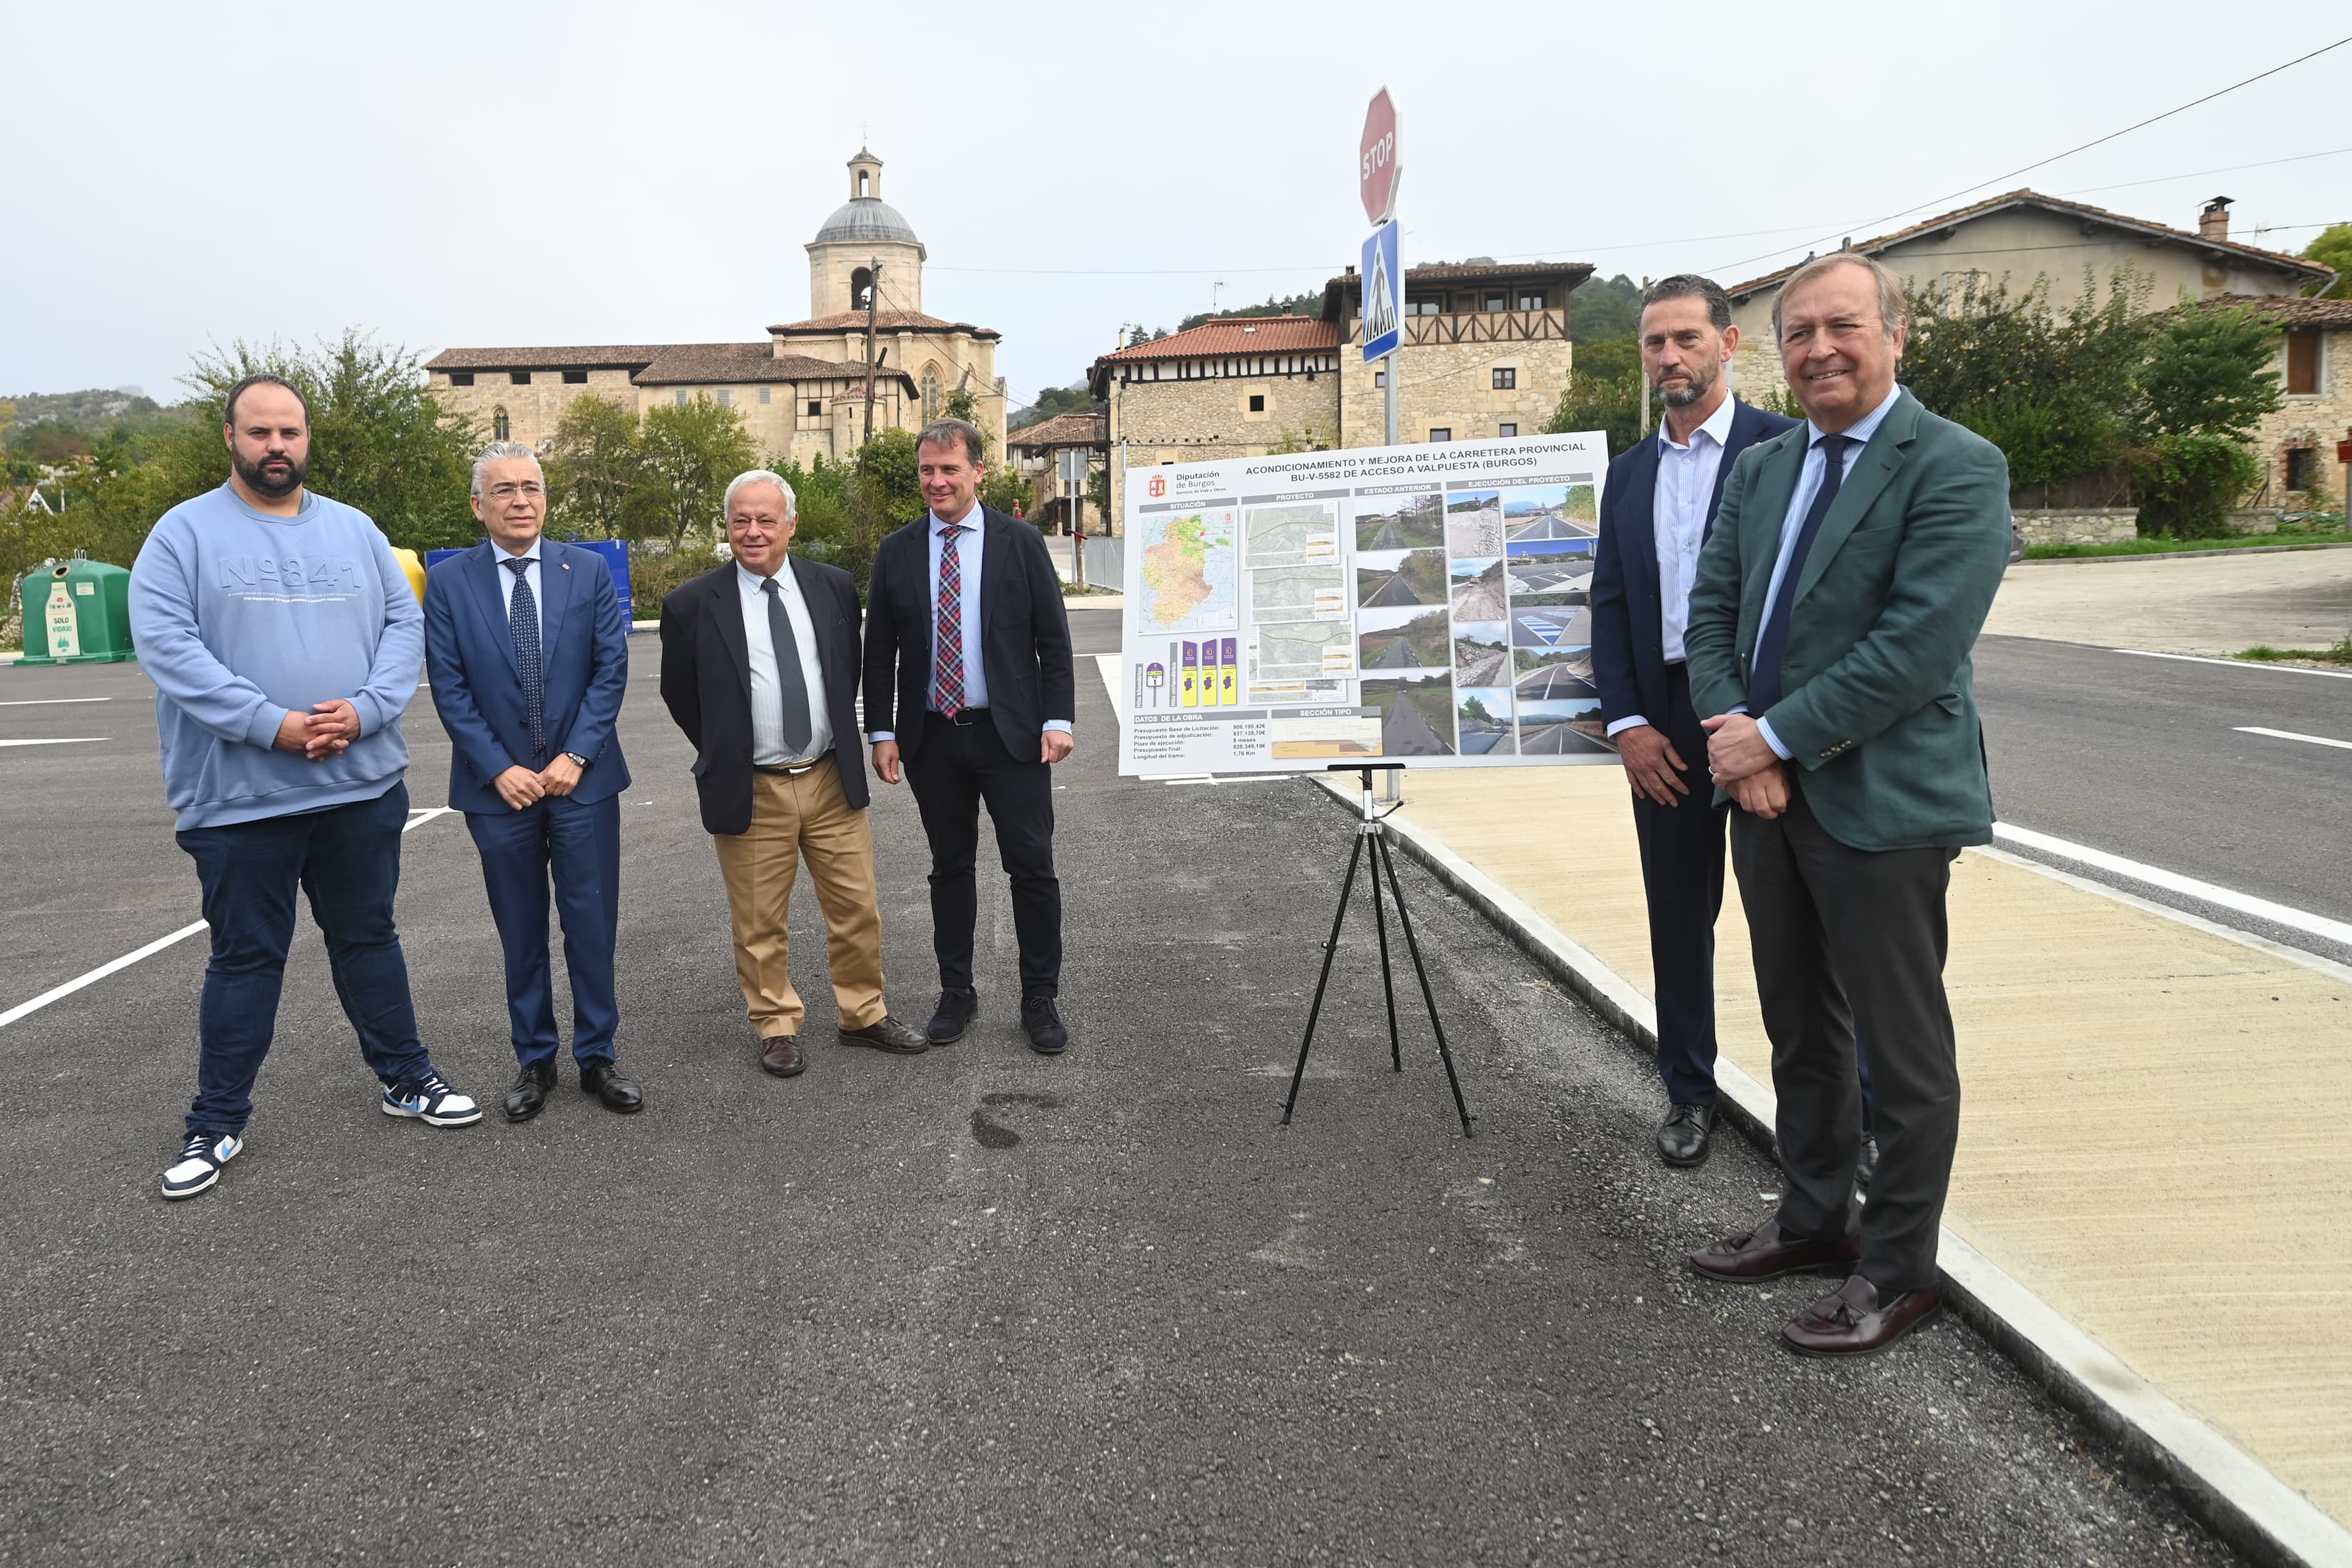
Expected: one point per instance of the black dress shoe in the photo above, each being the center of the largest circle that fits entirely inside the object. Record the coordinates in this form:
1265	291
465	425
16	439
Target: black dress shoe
602	1080
888	1034
1855	1319
780	1054
1043	1019
956	1011
1766	1253
1684	1136
527	1098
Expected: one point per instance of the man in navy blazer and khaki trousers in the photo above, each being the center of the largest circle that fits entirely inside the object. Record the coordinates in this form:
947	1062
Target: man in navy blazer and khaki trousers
1656	512
529	656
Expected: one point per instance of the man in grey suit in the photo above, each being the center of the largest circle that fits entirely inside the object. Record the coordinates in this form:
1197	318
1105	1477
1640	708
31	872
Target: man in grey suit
1848	573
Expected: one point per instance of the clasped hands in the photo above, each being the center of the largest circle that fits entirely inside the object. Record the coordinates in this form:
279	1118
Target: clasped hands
1740	760
519	786
327	730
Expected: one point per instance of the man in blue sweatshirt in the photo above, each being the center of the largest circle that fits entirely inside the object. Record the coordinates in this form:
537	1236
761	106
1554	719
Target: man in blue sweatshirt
284	642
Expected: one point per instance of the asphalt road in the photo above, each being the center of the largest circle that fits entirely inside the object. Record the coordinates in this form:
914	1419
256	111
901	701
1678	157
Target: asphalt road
1406	732
1555	680
970	1308
1565	625
2144	757
1537	740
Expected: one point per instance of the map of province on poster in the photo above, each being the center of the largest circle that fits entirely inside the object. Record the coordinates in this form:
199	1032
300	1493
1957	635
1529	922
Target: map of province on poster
1429	604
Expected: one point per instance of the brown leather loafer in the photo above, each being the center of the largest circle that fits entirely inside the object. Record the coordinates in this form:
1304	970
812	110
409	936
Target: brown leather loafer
887	1035
780	1054
1765	1253
1854	1320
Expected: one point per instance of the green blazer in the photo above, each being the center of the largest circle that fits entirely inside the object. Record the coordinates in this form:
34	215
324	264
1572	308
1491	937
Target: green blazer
1880	705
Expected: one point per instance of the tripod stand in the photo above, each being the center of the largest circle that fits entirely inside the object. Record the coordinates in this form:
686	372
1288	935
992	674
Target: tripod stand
1368	830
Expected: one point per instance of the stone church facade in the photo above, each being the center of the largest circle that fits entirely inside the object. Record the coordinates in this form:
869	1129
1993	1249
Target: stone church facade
801	389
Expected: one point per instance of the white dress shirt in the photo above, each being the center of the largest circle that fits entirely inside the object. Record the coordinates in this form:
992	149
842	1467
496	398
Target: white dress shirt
768	749
501	554
1793	524
1678	509
971	540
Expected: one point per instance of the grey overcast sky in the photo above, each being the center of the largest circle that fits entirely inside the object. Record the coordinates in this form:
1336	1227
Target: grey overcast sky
490	174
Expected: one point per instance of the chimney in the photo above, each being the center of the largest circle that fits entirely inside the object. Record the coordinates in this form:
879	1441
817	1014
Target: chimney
2213	223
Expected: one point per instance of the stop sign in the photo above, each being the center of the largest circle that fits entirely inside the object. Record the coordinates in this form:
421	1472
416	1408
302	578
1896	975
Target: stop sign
1376	158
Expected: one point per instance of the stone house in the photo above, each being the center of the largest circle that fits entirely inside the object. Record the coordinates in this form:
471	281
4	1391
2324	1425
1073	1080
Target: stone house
800	389
2297	444
1035	454
1486	353
2024	235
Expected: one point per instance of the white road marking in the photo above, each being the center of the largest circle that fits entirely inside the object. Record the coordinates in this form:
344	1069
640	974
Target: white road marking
2292	735
2231	663
51	701
2172	881
416	819
61	740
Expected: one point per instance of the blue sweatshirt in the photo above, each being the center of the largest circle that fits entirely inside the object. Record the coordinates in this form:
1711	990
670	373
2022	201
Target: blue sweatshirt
241	617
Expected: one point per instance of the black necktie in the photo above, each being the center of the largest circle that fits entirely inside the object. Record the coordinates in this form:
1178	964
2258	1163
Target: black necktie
1764	670
522	624
790	678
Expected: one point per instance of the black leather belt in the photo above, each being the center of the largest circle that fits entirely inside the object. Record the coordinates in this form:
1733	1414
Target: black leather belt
964	720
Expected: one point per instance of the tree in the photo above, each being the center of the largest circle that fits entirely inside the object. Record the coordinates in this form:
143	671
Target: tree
1604	393
690	452
2206	384
1053	400
2333	248
595	468
1599	309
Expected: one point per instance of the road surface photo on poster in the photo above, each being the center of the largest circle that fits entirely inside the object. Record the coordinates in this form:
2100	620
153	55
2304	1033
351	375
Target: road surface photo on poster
1187	570
1400	577
1408	637
1482	655
1298	593
1540	577
1482	717
1415	520
1478	592
1556	673
1551	625
1533	513
1474	522
1416	714
1297	533
1554	727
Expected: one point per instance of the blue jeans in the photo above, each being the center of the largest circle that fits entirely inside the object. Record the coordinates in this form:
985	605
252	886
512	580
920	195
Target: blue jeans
347	859
579	846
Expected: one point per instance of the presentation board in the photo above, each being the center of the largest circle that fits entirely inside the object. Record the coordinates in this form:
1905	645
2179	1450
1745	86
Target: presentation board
1427	605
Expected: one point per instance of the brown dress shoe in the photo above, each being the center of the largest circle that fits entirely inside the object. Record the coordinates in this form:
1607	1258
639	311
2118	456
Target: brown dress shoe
1765	1253
780	1054
1855	1319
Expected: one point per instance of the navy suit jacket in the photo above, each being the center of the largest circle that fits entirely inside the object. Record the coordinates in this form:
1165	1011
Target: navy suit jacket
471	660
1629	659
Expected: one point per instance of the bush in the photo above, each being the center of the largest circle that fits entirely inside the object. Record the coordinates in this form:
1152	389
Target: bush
2186	484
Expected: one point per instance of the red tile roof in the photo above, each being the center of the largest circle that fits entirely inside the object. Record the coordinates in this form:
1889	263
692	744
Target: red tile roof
1235	335
2289	311
608	357
709	363
884	322
2310	270
1062	430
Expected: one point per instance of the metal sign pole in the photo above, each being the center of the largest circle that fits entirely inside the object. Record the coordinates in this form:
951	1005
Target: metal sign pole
1389	366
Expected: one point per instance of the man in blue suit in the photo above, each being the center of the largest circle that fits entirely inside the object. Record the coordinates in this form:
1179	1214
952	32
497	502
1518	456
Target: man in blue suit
1656	512
529	657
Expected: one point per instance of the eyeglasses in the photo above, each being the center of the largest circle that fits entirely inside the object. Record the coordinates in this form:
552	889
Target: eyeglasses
509	491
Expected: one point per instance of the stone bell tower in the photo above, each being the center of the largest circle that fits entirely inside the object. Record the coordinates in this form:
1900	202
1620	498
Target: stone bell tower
864	230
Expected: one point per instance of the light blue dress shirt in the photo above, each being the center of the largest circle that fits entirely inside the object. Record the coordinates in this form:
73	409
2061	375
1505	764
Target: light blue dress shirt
971	540
1808	485
500	553
1684	489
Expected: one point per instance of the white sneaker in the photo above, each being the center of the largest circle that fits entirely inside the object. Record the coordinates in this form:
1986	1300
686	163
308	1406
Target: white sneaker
200	1162
431	1100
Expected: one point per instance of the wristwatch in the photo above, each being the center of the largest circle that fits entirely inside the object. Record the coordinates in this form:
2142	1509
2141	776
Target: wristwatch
577	758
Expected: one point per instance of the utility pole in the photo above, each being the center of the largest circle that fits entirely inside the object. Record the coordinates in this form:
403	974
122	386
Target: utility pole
873	301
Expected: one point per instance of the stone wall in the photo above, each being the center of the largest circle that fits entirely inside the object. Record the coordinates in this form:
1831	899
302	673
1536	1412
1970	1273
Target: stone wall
534	406
1202	421
1450	386
2086	525
2313	421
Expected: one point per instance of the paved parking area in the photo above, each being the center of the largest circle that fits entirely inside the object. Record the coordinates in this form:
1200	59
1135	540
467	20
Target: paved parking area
974	1306
2212	605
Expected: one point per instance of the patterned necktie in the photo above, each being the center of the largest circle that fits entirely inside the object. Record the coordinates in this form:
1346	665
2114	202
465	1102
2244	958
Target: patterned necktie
792	680
947	685
522	622
1764	670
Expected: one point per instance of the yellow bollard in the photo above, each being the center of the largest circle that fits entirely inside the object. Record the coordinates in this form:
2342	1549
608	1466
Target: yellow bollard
414	568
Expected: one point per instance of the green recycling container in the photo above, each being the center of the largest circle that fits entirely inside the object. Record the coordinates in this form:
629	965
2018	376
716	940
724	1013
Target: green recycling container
77	612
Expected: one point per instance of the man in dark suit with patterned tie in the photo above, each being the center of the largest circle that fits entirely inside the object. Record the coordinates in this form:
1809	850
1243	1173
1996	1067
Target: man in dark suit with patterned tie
971	689
760	669
529	657
1655	514
1849	572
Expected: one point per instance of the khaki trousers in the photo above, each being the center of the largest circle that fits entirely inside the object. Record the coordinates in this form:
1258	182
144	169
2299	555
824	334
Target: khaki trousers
803	818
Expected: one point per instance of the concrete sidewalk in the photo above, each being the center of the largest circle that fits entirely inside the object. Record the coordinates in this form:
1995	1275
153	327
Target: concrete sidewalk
2138	1150
2209	605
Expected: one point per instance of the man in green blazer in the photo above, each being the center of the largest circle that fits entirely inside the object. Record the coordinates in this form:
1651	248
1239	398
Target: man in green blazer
1848	571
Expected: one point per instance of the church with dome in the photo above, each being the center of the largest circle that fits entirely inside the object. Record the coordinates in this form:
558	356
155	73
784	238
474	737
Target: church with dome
801	390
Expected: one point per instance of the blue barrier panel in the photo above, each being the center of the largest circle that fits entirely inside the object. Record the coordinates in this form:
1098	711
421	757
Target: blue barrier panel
616	560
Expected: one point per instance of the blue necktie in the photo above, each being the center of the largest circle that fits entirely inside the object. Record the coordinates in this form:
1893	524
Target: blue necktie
522	622
1764	670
